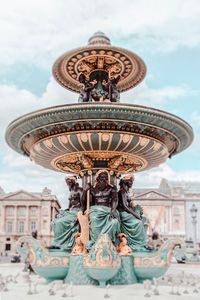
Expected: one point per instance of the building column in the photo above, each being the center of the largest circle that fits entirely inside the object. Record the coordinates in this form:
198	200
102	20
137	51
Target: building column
3	230
39	219
170	219
3	219
15	229
54	212
27	220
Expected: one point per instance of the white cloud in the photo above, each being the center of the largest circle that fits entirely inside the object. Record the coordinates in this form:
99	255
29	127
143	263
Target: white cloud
158	97
16	102
153	177
57	95
38	31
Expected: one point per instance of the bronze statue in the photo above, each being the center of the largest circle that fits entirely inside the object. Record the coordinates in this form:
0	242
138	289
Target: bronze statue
131	222
87	87
76	194
103	215
103	193
110	87
125	200
65	225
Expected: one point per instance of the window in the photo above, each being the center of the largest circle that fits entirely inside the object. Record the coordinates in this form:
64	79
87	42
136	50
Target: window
21	227
21	211
33	226
33	210
9	210
7	247
9	227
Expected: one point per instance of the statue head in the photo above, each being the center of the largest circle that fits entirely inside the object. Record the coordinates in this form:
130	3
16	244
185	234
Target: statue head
127	181
71	181
102	179
82	78
123	239
102	176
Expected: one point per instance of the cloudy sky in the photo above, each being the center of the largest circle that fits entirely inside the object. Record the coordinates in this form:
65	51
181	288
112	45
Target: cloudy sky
166	34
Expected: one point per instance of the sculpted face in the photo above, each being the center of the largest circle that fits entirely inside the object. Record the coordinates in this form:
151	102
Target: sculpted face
70	182
102	177
102	180
129	182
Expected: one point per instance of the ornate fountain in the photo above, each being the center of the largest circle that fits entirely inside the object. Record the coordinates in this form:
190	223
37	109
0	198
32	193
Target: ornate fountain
101	134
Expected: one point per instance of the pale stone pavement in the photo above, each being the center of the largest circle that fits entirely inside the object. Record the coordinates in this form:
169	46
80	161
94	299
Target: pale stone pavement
18	291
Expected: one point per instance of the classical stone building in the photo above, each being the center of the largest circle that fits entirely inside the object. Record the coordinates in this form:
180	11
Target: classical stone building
168	207
23	212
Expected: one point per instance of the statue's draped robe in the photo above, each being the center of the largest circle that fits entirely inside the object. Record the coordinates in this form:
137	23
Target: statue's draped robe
101	223
64	226
135	231
130	225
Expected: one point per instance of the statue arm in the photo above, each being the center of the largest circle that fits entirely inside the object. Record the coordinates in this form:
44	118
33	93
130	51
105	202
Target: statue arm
126	208
88	187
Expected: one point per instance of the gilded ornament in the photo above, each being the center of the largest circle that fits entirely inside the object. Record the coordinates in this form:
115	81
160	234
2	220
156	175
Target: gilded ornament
102	255
126	138
48	143
84	137
63	139
105	137
143	141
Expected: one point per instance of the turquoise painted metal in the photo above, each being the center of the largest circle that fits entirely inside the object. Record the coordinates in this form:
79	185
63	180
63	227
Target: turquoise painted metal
50	264
126	274
77	273
103	261
101	265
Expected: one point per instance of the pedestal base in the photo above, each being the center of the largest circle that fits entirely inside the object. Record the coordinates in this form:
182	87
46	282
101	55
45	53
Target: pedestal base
77	274
126	274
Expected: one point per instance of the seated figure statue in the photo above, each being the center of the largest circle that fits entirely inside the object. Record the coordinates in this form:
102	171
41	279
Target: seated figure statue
65	225
103	215
131	222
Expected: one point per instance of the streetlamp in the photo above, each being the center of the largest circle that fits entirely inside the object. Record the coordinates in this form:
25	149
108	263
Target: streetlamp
193	211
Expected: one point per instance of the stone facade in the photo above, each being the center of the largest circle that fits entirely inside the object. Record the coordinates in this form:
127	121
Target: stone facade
23	212
168	207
